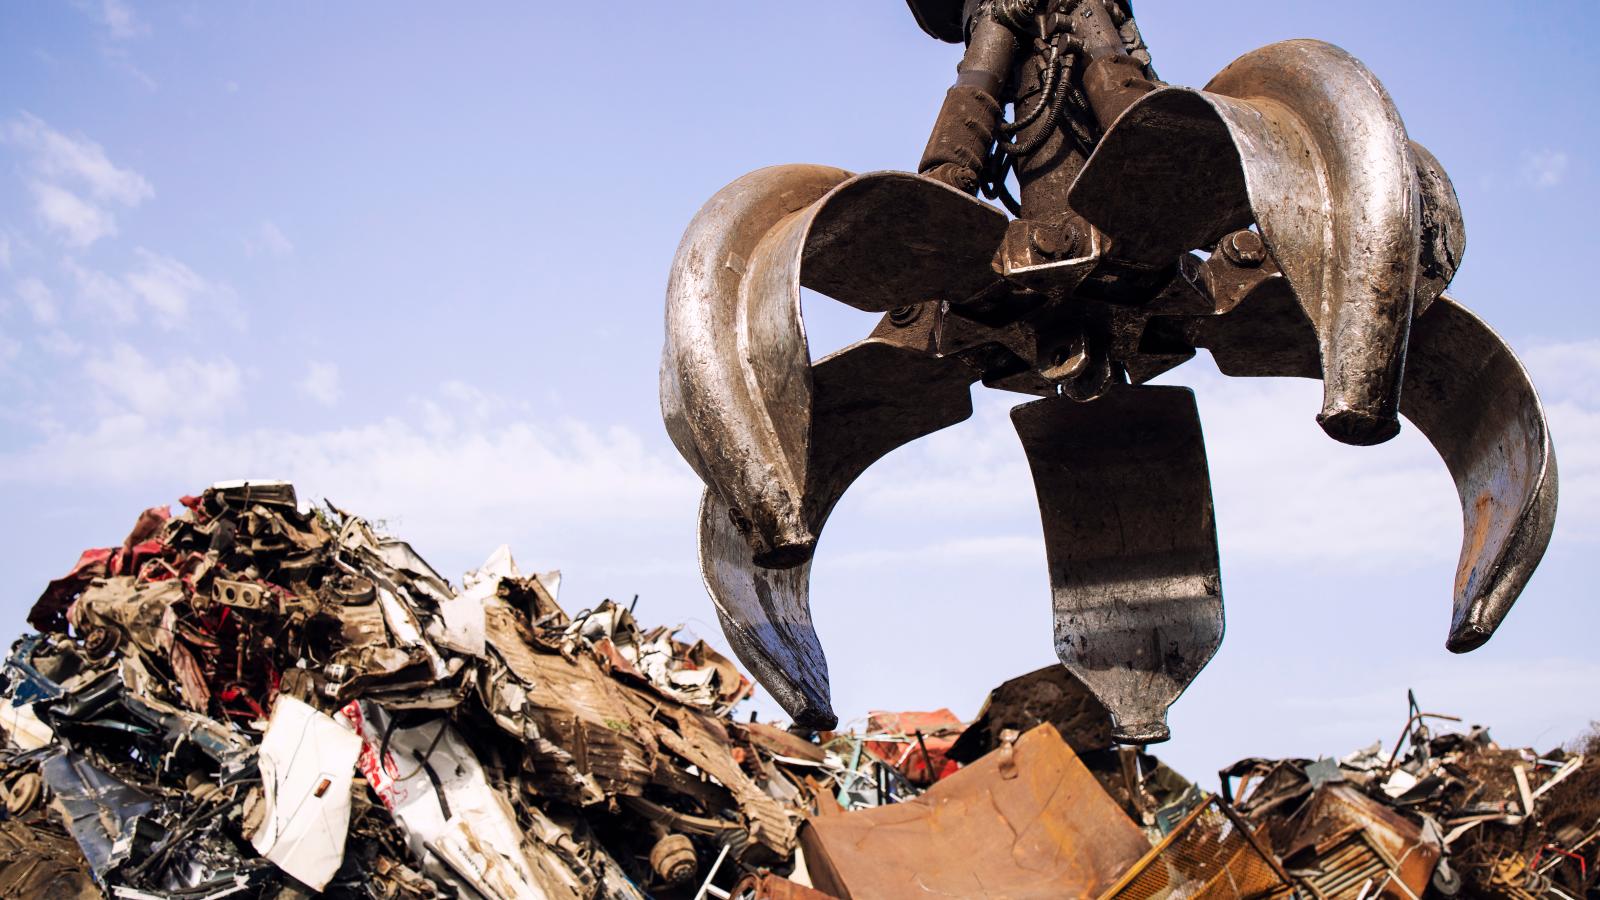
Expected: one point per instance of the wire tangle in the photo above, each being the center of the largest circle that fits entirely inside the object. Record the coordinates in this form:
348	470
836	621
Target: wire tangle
1052	96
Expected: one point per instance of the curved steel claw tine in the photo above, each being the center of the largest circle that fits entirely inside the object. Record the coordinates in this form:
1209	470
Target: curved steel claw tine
1125	497
870	398
1467	392
1302	139
736	381
735	371
766	616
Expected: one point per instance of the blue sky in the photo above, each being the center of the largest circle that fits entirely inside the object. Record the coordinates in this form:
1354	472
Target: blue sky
414	259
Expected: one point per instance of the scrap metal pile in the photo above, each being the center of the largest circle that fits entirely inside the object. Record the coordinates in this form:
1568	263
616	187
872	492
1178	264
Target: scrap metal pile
1451	814
1046	805
255	699
250	697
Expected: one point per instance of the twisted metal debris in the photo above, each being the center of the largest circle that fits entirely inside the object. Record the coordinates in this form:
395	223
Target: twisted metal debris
1281	218
254	699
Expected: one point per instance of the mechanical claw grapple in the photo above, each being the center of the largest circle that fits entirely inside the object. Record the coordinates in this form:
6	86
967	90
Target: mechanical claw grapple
1280	218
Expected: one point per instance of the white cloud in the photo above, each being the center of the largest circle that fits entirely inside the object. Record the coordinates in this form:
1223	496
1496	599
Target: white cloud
1566	369
321	383
456	488
1544	168
39	300
1567	375
167	286
157	286
59	157
73	181
1284	493
183	389
1575	429
456	403
58	343
121	61
78	222
974	468
268	240
1287	494
103	294
116	17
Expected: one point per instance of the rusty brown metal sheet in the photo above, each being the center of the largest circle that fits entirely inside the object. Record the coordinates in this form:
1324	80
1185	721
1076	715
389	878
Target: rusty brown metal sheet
38	861
702	743
771	887
1035	825
1399	844
779	742
574	705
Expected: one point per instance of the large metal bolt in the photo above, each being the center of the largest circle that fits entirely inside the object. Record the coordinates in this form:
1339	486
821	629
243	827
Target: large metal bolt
1067	365
902	316
1068	360
1056	240
1244	248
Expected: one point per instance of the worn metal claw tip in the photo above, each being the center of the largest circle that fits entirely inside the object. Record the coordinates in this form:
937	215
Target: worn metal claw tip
1468	638
798	692
765	614
1357	427
1141	732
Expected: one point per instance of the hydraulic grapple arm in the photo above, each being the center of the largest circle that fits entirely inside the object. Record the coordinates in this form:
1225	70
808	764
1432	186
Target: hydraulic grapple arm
1329	239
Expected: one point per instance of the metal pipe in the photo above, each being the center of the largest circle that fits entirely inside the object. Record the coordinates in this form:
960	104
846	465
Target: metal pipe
1112	79
958	149
1091	24
986	65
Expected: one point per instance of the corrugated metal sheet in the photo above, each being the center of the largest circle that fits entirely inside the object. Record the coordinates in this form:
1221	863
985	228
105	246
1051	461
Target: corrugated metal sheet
1348	870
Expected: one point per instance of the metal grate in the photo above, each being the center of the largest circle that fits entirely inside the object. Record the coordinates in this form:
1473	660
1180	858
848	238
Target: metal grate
1211	855
1349	870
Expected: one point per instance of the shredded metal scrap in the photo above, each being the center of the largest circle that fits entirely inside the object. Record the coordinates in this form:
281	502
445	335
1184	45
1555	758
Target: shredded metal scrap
252	699
256	698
